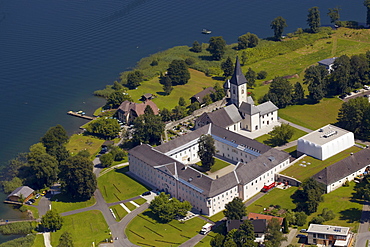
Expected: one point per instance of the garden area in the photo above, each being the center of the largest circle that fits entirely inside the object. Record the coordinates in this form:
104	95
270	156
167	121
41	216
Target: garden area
116	185
85	228
145	230
314	165
81	142
219	164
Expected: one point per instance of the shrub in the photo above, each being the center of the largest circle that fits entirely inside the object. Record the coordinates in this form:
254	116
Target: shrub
17	228
261	75
317	220
26	241
189	61
154	63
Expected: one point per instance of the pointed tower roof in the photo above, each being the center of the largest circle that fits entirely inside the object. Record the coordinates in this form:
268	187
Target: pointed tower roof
238	78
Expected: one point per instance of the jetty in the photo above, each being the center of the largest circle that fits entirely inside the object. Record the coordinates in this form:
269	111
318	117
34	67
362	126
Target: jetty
80	114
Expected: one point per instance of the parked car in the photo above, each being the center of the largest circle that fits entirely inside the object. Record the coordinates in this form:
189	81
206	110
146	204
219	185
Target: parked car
37	196
357	91
303	230
146	193
301	236
28	202
32	200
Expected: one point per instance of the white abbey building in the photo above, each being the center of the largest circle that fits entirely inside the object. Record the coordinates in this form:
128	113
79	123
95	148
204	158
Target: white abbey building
242	113
167	167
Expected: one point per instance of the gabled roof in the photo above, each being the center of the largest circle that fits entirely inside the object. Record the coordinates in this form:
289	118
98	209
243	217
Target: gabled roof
223	117
23	191
238	77
328	61
259	225
263	163
343	168
199	96
267	107
248	108
264	216
138	108
250	100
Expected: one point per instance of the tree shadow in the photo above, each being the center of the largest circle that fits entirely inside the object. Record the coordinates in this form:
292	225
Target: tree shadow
350	215
206	58
154	217
298	197
62	197
307	101
161	93
218	78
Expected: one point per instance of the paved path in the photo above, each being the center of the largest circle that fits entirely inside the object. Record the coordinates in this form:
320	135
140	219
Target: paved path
291	235
295	125
363	231
113	167
47	239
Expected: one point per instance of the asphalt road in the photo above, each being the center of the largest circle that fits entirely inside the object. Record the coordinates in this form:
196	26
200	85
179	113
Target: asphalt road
363	231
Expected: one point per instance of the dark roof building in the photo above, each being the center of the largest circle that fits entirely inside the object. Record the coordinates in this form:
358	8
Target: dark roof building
199	96
23	192
128	111
333	177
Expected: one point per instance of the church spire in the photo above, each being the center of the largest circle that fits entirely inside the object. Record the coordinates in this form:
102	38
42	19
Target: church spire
238	78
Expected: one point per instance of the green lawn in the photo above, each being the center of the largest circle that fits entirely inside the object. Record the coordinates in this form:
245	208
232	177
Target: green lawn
313	116
195	85
347	210
144	230
119	211
130	206
39	241
86	228
62	203
274	197
116	185
34	210
297	134
302	173
80	142
140	201
217	216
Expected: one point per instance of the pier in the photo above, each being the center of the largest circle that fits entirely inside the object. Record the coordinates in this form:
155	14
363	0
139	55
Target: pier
76	114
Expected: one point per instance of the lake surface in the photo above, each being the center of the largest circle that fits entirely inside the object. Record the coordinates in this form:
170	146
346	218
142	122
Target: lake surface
54	54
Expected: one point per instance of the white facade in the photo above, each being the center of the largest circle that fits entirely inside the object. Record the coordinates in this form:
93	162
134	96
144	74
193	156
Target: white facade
164	167
325	142
333	186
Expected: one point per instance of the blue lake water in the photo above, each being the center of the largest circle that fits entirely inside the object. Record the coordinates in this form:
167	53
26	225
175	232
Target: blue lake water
54	54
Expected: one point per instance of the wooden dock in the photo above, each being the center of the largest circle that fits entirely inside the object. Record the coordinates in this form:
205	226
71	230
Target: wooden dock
72	113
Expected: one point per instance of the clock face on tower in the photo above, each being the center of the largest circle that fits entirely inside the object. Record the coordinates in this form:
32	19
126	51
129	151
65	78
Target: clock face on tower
242	91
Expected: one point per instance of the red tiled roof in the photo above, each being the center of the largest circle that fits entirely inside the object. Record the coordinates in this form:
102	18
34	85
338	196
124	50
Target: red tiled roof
266	217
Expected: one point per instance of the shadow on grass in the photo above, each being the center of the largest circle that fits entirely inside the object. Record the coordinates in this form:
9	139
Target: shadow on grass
206	58
218	78
161	93
154	217
350	215
66	198
124	171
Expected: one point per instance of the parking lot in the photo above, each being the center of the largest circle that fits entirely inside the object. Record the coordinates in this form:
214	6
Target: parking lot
360	93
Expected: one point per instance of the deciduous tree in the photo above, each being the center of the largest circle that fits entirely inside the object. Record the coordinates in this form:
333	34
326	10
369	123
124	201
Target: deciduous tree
105	128
278	25
134	79
313	19
52	220
106	160
148	129
77	177
178	72
298	94
218	240
235	210
217	47
251	77
115	99
196	47
280	92
281	134
248	40
333	14
316	78
65	240
206	151
227	67
274	235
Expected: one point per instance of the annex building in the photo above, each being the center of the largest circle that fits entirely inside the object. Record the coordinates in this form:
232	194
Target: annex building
334	176
327	235
241	113
325	142
168	167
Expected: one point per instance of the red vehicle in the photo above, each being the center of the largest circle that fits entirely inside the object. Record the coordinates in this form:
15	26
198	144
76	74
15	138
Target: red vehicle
268	187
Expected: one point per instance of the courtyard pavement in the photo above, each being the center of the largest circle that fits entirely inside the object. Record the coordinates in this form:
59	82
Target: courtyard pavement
260	132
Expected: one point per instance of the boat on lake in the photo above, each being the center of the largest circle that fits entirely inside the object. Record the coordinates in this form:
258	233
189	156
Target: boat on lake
206	31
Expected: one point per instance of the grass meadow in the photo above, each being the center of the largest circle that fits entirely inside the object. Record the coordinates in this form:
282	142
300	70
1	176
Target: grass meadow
116	185
144	230
265	138
86	228
62	203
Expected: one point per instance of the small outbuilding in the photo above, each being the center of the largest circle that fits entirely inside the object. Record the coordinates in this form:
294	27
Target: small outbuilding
328	63
199	97
23	192
325	142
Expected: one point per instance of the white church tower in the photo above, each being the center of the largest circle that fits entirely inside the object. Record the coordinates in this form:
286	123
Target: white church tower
238	86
